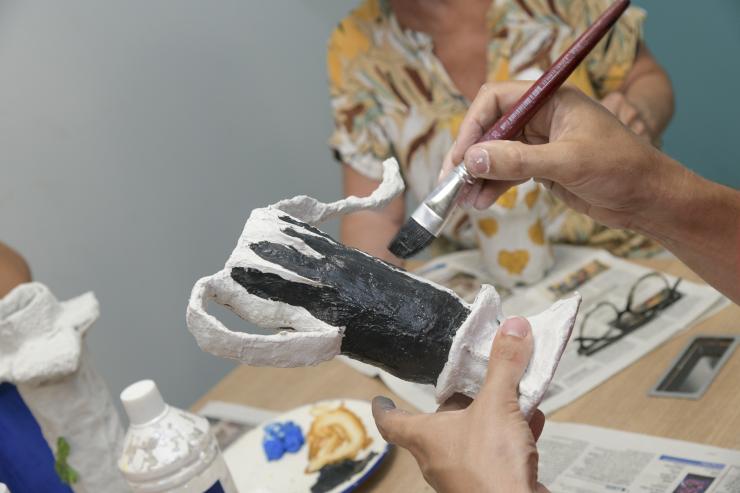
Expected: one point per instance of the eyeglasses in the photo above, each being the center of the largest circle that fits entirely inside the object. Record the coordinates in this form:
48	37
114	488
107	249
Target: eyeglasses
605	324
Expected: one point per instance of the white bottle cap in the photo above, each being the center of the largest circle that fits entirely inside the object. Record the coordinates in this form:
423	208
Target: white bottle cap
142	402
3	488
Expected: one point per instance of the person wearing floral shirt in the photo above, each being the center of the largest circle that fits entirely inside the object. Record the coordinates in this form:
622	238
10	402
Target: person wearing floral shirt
403	72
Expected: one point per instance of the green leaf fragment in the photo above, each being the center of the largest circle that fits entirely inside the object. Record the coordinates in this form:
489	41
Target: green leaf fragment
65	472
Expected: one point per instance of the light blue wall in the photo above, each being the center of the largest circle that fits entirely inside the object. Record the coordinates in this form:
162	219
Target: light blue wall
136	137
699	44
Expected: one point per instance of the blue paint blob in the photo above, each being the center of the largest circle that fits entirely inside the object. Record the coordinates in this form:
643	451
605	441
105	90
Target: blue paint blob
281	438
273	448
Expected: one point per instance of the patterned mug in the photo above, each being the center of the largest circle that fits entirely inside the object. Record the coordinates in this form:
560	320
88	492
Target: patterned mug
511	236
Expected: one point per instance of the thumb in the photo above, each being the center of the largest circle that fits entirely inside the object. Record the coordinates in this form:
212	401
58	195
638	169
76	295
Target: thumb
510	354
513	160
393	423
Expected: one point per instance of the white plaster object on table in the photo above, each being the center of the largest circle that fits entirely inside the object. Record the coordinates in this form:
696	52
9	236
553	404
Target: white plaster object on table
43	353
311	340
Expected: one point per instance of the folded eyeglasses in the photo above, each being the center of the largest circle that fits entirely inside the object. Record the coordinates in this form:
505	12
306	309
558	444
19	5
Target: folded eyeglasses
648	296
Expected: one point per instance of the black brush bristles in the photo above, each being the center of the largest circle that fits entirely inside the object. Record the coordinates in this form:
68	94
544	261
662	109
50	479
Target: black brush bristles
410	240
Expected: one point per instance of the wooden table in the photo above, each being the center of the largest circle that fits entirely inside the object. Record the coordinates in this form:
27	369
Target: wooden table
621	402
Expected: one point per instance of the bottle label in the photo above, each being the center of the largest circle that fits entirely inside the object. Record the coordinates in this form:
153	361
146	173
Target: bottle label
216	488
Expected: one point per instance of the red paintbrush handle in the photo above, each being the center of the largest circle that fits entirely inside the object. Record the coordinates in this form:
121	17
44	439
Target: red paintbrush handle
512	122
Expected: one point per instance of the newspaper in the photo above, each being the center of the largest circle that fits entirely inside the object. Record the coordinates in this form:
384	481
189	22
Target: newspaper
598	277
586	459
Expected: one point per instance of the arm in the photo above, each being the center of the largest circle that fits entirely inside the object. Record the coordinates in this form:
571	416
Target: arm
645	102
599	168
13	270
370	231
649	89
699	221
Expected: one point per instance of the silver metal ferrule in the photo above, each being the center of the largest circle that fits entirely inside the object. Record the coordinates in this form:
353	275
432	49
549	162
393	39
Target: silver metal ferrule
433	213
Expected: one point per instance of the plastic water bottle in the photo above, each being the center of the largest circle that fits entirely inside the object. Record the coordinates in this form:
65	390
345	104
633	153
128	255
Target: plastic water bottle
167	449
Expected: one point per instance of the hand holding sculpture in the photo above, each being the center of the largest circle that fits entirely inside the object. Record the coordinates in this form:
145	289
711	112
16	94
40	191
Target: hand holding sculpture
487	445
323	298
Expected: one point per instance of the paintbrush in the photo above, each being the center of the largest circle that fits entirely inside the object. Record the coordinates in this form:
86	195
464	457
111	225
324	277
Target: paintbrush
429	218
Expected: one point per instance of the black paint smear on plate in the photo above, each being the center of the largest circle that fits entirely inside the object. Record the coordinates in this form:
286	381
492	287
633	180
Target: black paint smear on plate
332	475
391	320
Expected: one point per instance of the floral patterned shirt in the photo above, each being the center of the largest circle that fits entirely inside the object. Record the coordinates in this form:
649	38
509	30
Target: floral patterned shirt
391	96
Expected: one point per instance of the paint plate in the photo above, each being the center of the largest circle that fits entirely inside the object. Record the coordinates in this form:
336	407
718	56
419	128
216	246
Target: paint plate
253	473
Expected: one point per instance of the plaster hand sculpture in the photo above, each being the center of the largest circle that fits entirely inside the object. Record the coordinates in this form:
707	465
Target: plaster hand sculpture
42	352
323	299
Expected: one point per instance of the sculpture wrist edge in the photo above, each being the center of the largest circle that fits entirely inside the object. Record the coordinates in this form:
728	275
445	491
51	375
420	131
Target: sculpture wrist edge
467	365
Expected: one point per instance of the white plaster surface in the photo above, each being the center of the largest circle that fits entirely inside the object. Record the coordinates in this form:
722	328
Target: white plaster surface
40	338
311	211
42	352
467	363
313	341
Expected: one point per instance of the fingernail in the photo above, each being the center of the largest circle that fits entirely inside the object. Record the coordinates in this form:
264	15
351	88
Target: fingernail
516	326
481	205
466	203
384	403
472	195
464	196
478	161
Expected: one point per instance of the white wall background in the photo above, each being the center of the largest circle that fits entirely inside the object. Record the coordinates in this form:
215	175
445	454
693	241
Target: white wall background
136	136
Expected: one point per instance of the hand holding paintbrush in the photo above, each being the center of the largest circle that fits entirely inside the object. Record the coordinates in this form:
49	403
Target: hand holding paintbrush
429	218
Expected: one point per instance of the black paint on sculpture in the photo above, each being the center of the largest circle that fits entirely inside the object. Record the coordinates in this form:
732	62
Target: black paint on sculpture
391	320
